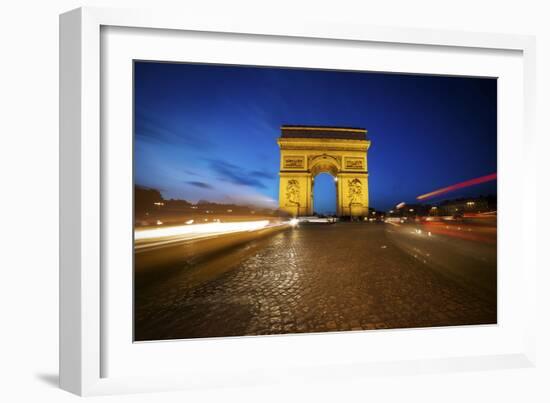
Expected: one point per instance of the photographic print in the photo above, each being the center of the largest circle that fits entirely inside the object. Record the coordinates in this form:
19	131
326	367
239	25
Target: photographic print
273	200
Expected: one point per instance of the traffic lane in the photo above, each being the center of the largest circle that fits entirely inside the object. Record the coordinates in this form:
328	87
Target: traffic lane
171	247
464	253
316	278
158	237
478	230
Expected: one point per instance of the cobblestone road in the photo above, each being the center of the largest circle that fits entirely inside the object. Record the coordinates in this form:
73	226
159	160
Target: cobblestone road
310	279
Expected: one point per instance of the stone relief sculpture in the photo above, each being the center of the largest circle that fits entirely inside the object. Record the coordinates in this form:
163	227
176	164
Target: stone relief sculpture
293	192
355	190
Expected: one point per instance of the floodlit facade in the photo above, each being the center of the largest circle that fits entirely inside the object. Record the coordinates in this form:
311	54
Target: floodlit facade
307	151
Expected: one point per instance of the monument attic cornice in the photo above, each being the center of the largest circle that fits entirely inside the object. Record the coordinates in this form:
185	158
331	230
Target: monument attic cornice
323	144
323	132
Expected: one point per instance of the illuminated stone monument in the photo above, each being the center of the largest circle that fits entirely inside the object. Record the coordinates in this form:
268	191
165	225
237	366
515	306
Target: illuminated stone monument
307	151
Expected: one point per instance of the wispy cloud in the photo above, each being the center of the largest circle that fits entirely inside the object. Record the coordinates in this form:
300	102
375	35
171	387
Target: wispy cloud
255	199
190	172
261	174
150	129
235	174
201	185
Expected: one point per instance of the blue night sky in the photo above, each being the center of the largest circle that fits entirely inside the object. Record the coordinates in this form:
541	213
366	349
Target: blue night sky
209	131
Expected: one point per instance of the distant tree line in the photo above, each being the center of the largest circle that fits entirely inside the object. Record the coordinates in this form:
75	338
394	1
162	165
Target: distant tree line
145	198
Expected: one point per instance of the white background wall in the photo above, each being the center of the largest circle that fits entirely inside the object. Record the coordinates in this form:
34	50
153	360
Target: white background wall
29	197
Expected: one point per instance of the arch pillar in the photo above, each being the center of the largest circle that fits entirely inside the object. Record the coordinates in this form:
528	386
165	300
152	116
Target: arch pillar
296	193
353	195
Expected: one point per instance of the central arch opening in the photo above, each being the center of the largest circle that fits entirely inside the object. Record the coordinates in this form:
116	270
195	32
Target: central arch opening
324	194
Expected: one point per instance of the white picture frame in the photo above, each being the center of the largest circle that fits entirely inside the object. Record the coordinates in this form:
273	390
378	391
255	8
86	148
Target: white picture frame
85	343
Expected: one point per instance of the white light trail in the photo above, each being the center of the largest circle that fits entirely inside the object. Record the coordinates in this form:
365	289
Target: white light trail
199	229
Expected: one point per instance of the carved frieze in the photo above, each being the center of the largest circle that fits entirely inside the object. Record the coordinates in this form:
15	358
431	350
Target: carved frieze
355	191
354	163
294	162
293	192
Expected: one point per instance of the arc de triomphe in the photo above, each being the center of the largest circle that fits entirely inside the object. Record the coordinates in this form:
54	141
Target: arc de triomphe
307	151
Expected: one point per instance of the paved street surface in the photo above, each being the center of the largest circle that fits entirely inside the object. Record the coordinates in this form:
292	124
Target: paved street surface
317	278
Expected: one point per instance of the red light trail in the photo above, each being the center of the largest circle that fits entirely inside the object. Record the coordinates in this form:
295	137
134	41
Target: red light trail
471	182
